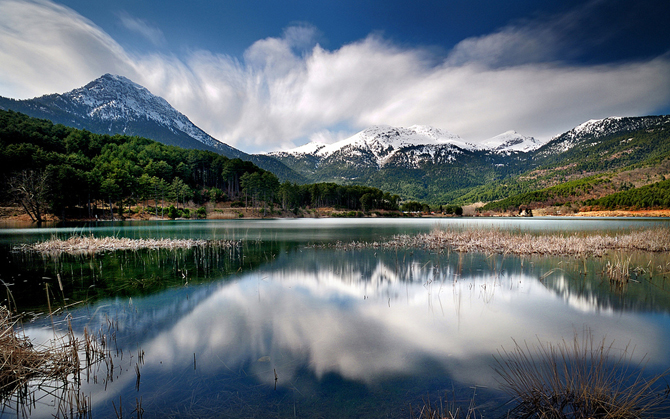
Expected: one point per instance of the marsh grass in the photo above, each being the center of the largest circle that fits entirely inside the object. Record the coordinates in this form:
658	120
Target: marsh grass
78	245
447	409
618	271
583	378
517	243
54	368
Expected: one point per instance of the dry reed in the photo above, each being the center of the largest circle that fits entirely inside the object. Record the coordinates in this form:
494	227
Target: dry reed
506	242
578	379
446	410
618	270
23	365
20	361
91	245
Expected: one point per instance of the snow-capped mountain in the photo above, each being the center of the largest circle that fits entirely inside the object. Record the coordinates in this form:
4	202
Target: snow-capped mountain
116	98
510	141
379	146
594	130
115	105
412	147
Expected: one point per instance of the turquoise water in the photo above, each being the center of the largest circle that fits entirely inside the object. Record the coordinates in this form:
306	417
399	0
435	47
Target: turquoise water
280	328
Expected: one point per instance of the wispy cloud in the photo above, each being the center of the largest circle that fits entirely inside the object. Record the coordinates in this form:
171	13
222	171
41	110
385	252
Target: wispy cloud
142	28
288	89
48	48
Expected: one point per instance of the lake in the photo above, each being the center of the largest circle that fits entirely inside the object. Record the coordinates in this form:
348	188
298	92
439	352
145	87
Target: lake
284	326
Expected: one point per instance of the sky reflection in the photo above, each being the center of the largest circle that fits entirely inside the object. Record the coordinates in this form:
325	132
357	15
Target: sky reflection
367	317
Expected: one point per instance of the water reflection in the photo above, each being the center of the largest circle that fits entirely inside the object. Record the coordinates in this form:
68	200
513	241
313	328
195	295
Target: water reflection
311	230
394	323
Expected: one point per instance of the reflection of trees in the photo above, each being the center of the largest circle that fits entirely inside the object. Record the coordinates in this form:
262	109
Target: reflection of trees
582	284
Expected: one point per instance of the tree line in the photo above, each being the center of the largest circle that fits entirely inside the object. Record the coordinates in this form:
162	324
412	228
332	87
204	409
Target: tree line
75	173
656	195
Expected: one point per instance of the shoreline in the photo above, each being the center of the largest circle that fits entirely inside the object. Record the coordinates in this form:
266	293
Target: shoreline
16	214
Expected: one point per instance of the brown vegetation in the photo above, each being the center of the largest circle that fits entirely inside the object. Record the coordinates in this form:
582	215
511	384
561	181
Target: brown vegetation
505	242
55	367
90	244
579	379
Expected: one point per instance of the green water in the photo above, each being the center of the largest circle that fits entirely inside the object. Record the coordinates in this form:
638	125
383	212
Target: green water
362	333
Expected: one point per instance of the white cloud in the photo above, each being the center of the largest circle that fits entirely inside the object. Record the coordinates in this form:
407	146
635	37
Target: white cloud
142	28
48	48
287	89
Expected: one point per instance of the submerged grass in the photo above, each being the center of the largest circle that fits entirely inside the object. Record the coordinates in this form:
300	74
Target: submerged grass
618	270
506	242
579	379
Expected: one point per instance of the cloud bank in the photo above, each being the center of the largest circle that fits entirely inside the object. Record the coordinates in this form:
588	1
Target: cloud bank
287	89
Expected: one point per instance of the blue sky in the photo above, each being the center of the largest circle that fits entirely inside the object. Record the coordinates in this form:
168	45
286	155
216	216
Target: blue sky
262	75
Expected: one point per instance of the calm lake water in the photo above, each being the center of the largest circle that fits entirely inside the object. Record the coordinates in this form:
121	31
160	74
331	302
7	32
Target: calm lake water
282	328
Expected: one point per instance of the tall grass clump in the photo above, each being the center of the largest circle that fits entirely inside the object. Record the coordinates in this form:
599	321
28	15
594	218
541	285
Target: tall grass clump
20	361
618	270
55	368
579	379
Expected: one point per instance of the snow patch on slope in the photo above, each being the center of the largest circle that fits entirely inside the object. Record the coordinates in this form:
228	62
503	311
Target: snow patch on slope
511	141
118	99
382	143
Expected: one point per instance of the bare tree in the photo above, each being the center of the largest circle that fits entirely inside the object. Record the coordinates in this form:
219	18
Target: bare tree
30	188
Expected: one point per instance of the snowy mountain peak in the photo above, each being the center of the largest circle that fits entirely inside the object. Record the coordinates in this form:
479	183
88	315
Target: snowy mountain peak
384	139
379	145
511	141
592	130
118	101
412	136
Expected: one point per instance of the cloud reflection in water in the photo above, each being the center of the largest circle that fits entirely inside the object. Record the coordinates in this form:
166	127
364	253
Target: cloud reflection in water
371	320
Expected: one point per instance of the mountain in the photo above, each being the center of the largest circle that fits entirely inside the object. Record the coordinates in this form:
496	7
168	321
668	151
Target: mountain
439	167
590	161
418	162
595	130
116	105
381	146
511	141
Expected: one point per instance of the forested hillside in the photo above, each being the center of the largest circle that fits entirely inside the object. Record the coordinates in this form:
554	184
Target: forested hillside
76	173
593	167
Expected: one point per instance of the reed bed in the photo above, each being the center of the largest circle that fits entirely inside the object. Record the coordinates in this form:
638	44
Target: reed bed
78	245
579	379
506	242
22	363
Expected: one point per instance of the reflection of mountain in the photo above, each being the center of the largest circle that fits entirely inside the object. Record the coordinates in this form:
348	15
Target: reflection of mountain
366	317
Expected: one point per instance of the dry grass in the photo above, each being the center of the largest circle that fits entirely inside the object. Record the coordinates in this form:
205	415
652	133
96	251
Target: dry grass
446	410
578	379
618	270
55	367
506	242
90	244
20	361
